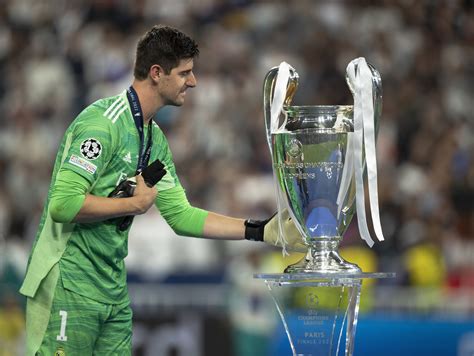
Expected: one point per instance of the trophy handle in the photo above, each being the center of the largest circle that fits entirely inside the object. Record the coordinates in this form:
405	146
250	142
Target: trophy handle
268	92
376	94
269	88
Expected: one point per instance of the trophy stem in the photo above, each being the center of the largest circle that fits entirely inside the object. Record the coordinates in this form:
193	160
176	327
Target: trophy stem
323	257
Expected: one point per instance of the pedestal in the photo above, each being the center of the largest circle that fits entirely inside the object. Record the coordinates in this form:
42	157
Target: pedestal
319	311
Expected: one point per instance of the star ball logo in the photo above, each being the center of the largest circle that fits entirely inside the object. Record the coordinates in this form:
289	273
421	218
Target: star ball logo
312	300
294	148
91	148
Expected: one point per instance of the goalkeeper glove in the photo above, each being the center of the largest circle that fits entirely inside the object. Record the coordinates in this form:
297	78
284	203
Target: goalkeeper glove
268	230
151	175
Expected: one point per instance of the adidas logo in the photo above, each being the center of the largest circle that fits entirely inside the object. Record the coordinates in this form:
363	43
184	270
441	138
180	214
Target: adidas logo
128	158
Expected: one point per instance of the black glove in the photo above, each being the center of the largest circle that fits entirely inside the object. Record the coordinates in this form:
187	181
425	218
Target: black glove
255	229
124	189
151	175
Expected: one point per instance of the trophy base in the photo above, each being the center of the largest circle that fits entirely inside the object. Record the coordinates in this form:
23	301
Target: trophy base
322	257
321	317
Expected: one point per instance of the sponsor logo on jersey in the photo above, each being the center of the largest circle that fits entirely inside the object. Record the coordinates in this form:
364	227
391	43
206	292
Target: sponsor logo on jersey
114	111
128	158
91	148
82	163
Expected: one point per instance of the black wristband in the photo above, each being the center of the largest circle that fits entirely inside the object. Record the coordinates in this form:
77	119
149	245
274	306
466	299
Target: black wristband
254	229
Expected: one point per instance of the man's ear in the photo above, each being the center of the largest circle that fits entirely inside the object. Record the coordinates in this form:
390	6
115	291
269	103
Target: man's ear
156	72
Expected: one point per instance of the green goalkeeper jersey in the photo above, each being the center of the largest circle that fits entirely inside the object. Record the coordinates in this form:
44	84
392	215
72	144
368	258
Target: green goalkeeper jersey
102	147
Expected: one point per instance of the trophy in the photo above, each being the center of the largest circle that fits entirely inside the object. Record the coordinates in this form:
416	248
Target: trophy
319	155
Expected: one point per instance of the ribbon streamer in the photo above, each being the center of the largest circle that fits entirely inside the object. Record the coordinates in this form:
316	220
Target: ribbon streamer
360	78
369	146
279	95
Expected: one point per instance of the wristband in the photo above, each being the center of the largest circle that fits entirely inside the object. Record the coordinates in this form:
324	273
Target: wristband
254	229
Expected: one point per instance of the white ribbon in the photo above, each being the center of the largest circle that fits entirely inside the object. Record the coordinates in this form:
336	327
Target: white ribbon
279	95
363	140
369	145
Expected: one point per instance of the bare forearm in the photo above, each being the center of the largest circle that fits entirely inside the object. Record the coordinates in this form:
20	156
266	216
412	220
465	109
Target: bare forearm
101	208
223	227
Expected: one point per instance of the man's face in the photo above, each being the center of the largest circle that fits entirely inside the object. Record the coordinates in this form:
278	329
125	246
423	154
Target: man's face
173	86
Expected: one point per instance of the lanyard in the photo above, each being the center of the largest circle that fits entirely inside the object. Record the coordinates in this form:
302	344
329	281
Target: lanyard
145	151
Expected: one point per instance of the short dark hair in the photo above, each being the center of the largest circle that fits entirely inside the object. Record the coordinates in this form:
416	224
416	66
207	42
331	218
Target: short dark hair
165	46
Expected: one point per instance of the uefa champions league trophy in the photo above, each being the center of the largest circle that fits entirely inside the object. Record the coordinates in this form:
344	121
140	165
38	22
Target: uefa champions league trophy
320	154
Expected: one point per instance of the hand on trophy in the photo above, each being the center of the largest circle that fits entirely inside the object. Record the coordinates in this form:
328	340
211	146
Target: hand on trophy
268	231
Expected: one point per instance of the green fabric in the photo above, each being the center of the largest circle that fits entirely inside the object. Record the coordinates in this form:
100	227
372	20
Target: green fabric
51	239
179	214
91	255
63	320
67	196
38	310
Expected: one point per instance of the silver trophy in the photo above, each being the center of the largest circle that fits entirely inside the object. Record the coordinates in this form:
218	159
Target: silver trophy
321	156
315	168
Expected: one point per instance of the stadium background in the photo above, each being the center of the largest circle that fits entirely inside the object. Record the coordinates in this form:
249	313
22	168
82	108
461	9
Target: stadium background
195	297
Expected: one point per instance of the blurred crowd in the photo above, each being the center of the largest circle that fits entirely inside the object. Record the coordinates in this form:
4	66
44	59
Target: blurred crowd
57	56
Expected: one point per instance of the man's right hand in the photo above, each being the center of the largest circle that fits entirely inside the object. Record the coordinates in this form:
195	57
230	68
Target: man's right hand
268	231
294	240
143	196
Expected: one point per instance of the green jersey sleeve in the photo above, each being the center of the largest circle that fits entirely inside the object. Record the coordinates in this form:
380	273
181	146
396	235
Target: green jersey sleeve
67	196
171	201
183	218
90	144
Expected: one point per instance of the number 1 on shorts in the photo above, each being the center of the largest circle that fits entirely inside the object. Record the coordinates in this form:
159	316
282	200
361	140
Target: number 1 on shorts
62	330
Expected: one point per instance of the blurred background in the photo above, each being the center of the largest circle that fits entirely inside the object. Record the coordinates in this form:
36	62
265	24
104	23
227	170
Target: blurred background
195	297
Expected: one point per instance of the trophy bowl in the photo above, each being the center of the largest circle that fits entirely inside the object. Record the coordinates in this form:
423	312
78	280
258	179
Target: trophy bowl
314	175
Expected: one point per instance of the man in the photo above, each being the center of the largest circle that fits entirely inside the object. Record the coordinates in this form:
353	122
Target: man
76	280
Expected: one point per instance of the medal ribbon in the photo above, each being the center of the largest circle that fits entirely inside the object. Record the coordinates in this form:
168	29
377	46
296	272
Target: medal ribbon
144	151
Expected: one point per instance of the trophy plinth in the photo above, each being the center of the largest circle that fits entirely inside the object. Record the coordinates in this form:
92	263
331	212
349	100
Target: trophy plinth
319	311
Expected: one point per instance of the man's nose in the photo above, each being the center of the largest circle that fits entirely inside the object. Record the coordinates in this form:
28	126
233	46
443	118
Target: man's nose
191	82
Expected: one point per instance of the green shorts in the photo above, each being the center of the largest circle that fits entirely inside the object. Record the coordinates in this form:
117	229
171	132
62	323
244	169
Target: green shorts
60	322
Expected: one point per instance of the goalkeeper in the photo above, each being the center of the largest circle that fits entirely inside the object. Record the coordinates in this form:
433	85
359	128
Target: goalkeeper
75	284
